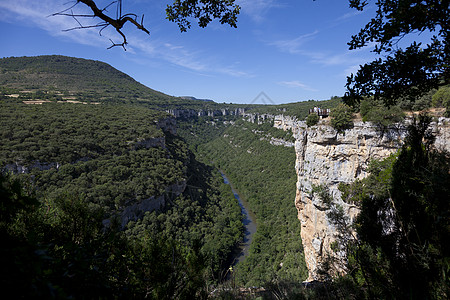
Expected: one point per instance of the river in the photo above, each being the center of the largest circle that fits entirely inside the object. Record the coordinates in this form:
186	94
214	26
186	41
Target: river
249	221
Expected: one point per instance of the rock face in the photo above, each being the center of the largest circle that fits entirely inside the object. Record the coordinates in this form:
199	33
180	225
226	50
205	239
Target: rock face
185	113
326	158
136	209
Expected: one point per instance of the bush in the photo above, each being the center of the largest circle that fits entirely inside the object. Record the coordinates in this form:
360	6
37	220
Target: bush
341	118
364	107
383	117
312	120
442	97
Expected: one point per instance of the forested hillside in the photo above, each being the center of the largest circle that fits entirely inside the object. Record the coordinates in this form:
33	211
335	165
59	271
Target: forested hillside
75	172
62	78
264	176
62	73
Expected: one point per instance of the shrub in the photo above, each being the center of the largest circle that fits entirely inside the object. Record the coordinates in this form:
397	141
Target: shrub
341	118
364	107
312	120
383	117
442	97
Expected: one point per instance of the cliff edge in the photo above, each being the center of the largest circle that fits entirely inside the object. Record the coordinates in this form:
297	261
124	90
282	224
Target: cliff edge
324	157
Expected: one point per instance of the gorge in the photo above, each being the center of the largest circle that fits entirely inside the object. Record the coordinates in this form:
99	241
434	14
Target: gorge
141	162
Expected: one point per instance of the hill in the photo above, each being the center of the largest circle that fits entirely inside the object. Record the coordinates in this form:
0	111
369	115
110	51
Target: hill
62	78
56	72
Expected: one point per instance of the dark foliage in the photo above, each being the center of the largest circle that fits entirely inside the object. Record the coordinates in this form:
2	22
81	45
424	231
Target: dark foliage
205	11
312	119
60	249
410	72
401	250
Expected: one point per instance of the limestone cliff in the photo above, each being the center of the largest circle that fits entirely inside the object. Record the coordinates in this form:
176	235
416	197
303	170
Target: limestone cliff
327	158
186	113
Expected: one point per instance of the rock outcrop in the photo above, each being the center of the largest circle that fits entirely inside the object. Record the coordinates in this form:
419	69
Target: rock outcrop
136	209
168	124
185	113
324	157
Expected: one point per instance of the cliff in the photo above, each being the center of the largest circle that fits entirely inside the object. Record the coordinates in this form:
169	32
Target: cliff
185	113
326	158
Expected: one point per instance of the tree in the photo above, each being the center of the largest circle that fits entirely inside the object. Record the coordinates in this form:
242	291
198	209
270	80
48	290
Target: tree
442	98
179	12
312	119
382	117
341	118
410	72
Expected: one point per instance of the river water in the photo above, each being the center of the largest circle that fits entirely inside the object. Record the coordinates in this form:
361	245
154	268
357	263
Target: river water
249	221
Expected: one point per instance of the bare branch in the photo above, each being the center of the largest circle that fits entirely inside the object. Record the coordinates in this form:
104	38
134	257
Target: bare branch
85	27
61	13
117	22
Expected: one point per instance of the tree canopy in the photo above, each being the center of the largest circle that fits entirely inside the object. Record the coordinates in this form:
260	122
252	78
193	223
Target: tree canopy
409	72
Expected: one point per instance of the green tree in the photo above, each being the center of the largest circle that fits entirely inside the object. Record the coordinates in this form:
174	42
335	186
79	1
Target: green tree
409	72
442	98
341	118
312	119
60	249
383	117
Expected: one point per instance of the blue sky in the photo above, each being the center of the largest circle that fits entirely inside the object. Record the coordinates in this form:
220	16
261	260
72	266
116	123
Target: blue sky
292	50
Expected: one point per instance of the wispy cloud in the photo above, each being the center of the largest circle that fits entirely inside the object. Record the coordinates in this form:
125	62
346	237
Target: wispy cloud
235	72
297	84
257	9
327	58
183	56
294	46
330	59
349	15
38	14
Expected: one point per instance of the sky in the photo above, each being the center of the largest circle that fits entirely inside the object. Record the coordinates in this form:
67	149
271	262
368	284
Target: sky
285	50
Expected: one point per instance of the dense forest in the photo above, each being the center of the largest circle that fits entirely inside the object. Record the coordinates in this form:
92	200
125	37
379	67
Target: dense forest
264	176
98	144
70	171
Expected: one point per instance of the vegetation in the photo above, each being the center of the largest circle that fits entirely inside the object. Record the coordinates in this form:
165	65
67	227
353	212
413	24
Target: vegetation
442	98
312	119
264	176
71	167
297	109
403	73
341	118
60	249
379	115
179	12
400	250
81	165
97	152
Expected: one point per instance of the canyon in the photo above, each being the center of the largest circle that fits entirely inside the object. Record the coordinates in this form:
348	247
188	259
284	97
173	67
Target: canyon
327	158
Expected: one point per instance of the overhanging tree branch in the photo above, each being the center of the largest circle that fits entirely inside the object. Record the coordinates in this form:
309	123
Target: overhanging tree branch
117	22
180	12
408	73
